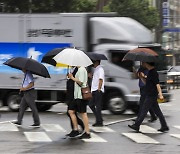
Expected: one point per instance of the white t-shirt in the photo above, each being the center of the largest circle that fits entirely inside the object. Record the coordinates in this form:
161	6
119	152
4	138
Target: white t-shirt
98	74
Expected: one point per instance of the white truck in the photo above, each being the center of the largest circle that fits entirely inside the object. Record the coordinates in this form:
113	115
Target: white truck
35	34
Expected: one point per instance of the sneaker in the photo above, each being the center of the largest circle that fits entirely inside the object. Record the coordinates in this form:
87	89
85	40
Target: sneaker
98	125
16	123
163	129
85	136
134	127
35	126
74	133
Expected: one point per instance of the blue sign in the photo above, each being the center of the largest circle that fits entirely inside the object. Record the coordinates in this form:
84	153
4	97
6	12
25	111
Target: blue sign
36	50
176	30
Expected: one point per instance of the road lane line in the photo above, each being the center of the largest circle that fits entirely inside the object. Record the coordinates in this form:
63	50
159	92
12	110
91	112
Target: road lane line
140	138
37	137
94	138
52	128
118	121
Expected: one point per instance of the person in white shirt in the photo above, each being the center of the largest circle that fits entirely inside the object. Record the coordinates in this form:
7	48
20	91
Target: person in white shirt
97	89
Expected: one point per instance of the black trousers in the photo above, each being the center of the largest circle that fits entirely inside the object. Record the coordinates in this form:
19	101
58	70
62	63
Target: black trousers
150	102
141	101
96	105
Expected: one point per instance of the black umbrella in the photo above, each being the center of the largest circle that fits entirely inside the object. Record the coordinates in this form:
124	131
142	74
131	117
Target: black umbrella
141	54
96	56
48	57
29	65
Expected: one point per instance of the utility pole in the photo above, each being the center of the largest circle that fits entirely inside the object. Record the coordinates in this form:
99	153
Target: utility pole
159	29
30	6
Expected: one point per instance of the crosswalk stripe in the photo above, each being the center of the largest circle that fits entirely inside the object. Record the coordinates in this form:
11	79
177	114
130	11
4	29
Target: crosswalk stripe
175	135
52	128
178	127
37	137
94	138
149	130
101	129
140	138
8	127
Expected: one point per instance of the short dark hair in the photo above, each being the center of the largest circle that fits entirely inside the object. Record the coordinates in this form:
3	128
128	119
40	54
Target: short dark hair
99	61
151	63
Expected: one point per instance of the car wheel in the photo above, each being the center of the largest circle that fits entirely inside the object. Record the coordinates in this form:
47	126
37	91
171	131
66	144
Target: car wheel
116	103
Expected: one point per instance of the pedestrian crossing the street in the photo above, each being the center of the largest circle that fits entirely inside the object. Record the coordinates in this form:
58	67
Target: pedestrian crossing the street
44	133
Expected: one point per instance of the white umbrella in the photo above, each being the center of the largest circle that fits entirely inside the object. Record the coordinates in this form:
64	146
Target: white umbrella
73	57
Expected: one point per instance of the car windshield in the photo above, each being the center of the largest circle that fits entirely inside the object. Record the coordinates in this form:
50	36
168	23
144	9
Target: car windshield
116	57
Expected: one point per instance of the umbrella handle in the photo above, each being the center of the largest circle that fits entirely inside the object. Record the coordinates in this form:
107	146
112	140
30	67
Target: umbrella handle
68	72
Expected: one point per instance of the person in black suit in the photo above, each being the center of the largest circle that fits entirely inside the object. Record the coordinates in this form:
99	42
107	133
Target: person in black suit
152	89
70	98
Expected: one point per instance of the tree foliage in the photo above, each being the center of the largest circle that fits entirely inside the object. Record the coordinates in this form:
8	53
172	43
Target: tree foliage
48	6
136	9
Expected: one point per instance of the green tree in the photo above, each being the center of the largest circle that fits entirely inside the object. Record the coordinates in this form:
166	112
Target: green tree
136	9
49	6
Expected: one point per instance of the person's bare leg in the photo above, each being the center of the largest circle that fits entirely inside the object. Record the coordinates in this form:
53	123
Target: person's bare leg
86	122
74	119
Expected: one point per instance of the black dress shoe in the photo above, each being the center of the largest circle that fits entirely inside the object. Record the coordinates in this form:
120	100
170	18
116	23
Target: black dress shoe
134	127
98	125
152	119
163	129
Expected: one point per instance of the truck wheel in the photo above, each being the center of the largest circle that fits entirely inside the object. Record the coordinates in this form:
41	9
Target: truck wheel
116	103
13	102
43	107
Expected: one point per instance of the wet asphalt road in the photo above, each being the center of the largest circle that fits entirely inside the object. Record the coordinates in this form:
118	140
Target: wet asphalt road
110	139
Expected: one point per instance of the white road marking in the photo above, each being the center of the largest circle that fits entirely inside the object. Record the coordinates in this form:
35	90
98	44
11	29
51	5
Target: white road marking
94	138
8	127
140	138
118	121
178	127
101	129
53	128
175	135
147	129
37	137
7	121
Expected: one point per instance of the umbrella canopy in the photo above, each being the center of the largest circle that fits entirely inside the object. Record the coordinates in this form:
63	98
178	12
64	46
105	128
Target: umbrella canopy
28	64
48	58
141	54
73	57
96	56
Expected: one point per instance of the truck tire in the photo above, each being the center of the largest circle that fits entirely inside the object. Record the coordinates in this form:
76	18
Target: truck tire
43	107
13	101
116	103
